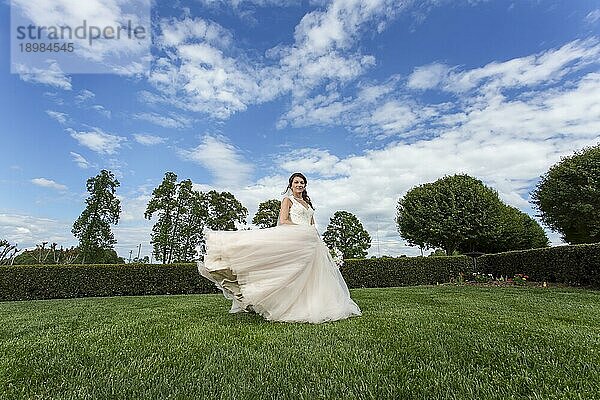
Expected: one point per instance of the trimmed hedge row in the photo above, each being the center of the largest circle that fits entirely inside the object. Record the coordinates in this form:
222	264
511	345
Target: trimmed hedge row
403	271
573	265
29	282
577	265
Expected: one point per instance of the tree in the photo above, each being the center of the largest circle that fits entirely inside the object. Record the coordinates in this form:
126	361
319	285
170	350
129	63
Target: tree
182	215
163	202
267	214
192	224
92	228
346	233
224	210
568	197
437	253
8	252
514	231
453	212
47	255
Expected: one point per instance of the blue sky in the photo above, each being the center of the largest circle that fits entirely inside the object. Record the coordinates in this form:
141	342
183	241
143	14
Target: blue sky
367	98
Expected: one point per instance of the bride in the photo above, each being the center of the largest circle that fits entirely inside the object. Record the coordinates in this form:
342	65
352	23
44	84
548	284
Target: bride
284	273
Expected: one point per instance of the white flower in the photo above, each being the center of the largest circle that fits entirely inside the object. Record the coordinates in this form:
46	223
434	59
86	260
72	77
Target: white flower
337	256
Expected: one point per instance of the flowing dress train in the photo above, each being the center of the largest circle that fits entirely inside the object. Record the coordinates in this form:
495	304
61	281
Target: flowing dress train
284	273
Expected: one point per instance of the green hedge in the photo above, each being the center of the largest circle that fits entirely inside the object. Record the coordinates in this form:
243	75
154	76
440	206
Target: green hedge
573	265
28	282
577	265
403	271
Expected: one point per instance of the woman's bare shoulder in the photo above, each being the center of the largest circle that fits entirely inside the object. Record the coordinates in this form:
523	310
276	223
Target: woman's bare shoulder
286	200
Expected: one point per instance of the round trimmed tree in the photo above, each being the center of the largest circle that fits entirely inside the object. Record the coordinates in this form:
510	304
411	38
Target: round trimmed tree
515	231
568	197
452	213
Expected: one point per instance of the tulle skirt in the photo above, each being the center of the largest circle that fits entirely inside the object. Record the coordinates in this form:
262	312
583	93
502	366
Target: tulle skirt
283	273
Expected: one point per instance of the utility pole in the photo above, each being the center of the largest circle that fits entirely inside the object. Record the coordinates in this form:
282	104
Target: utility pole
130	251
139	250
377	236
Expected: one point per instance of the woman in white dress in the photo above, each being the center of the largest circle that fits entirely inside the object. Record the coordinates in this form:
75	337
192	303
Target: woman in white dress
285	273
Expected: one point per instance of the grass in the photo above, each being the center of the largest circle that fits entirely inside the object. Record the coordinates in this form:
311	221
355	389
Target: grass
440	342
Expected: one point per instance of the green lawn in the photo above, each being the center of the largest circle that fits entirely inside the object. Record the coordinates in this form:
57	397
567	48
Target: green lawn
415	342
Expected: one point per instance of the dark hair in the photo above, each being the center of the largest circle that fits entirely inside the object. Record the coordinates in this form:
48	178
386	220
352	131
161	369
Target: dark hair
304	193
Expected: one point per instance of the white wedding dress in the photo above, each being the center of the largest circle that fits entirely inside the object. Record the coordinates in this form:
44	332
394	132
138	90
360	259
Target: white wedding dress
283	273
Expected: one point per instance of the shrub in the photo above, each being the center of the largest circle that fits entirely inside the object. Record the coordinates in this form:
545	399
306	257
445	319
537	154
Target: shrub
27	282
574	265
404	271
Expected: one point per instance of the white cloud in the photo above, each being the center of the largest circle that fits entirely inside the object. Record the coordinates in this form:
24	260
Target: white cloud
245	8
593	16
200	69
172	121
103	55
392	109
98	141
102	110
325	110
52	76
27	231
325	45
393	117
148	140
428	76
48	183
377	111
222	159
62	118
196	74
543	68
176	32
84	95
311	161
241	5
80	160
134	206
55	97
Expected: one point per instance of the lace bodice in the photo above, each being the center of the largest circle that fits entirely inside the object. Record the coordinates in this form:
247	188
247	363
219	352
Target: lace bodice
299	214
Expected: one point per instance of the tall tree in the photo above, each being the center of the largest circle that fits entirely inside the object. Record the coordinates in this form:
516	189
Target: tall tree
182	215
346	233
189	234
453	212
568	197
267	214
164	203
92	228
224	211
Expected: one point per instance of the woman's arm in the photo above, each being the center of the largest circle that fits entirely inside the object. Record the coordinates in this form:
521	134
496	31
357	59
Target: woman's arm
284	212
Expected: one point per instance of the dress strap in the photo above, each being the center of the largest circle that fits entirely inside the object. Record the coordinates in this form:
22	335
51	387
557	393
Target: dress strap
296	200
